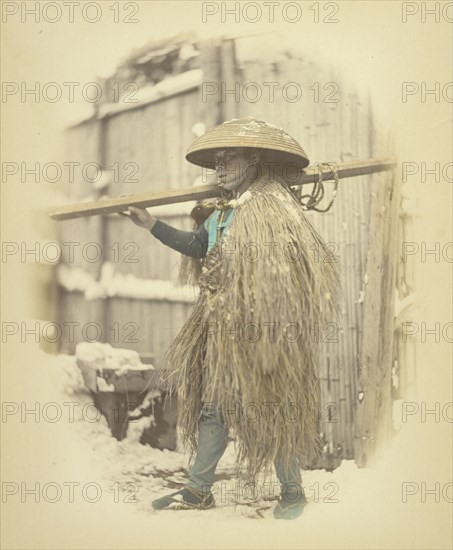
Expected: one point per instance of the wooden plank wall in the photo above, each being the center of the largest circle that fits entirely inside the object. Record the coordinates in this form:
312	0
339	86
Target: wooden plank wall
82	142
147	145
335	127
154	138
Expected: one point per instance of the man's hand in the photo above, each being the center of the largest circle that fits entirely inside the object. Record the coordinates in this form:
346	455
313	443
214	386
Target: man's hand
140	217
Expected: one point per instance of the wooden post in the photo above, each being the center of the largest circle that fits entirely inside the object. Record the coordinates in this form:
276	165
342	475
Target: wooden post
373	418
209	107
102	226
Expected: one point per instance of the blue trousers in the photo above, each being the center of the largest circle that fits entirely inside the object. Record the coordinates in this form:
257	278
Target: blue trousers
212	442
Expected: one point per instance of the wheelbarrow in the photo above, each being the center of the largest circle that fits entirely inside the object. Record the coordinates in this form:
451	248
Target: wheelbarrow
119	381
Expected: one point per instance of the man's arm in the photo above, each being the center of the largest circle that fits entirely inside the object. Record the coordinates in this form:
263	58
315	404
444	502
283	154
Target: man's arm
190	243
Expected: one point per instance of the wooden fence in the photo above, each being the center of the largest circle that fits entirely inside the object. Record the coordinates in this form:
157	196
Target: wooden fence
331	122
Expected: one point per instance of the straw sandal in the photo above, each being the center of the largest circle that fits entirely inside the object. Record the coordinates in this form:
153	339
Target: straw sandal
185	499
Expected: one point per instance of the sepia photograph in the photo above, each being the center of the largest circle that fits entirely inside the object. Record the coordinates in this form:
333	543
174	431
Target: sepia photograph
226	290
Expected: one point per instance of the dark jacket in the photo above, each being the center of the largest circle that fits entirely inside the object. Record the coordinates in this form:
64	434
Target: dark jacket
195	243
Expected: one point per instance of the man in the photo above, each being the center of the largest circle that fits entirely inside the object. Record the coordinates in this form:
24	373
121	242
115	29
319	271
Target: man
259	277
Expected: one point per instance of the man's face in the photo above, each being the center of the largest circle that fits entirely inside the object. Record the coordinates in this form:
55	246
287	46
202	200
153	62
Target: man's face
233	167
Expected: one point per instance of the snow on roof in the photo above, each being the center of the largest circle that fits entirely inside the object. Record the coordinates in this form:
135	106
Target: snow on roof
172	85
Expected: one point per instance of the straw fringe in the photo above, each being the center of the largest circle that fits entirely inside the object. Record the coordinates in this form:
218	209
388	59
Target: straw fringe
250	343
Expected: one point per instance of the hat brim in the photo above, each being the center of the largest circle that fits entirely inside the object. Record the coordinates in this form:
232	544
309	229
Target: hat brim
282	159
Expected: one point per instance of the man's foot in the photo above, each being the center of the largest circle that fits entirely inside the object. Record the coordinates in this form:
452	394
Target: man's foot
290	506
185	499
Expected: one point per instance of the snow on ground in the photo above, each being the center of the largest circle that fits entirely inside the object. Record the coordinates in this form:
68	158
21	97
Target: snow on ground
113	482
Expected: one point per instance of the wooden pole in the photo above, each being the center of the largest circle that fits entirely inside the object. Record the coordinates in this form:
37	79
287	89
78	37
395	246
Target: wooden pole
171	196
373	420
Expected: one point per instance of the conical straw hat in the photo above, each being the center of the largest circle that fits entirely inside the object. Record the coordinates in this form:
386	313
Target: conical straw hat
274	143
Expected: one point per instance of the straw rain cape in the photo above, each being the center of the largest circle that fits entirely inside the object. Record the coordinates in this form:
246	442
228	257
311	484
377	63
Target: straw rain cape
250	343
